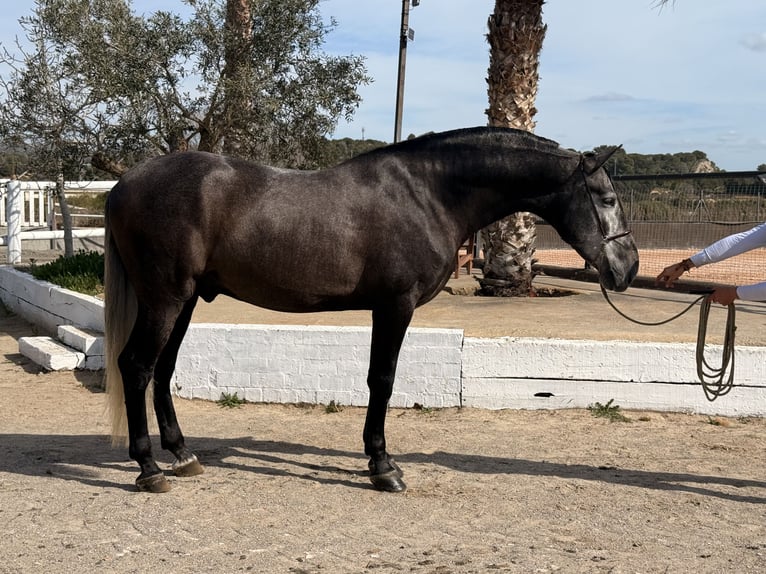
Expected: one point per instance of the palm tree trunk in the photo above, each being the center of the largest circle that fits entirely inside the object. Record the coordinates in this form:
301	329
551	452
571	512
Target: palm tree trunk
516	33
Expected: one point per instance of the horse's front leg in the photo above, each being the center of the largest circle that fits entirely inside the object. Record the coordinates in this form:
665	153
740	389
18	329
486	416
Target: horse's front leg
389	325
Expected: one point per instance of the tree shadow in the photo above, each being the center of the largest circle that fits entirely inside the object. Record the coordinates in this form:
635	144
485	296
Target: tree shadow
82	457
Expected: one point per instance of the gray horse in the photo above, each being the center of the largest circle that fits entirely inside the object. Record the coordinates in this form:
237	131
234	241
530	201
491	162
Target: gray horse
377	232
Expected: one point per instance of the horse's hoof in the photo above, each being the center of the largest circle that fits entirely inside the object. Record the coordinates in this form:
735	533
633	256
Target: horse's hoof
188	467
388	482
386	476
155	483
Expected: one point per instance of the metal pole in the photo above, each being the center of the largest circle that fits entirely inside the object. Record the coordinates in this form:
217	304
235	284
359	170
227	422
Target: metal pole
402	64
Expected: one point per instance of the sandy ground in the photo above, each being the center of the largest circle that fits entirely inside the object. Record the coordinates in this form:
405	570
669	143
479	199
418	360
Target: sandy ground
285	490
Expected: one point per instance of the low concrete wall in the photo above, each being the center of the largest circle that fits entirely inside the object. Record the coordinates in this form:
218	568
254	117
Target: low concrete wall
528	373
437	368
314	364
47	305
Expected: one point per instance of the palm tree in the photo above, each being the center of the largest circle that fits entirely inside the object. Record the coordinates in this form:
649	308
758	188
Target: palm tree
516	33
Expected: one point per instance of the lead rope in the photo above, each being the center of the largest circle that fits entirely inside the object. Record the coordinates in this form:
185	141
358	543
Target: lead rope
715	382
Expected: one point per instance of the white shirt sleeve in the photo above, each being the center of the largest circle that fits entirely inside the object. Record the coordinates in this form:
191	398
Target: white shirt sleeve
730	246
755	292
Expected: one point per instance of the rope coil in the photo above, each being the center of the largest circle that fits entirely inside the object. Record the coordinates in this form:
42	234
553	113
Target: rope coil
715	381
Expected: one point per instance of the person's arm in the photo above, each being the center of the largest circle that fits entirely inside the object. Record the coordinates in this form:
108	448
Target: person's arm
730	246
754	292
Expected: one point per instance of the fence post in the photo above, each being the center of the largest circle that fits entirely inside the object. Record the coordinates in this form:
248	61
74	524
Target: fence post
14	212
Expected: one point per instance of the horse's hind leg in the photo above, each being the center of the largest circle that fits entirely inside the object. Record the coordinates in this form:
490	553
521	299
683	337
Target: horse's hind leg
389	325
151	332
172	439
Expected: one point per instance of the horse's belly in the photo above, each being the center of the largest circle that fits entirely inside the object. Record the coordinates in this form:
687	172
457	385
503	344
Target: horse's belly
298	302
293	296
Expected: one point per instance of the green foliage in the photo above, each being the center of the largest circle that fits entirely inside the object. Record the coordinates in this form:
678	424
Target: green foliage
83	272
103	78
92	203
230	401
608	411
624	163
13	162
333	152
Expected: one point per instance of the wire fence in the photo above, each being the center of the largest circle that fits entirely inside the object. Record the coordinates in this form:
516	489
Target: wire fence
674	216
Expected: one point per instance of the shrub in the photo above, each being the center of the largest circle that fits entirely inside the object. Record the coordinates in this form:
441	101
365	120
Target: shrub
83	272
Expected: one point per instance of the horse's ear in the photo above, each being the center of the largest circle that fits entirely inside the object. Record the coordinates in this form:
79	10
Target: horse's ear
592	161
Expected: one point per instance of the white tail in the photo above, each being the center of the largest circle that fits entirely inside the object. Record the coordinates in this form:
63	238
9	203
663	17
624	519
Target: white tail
119	317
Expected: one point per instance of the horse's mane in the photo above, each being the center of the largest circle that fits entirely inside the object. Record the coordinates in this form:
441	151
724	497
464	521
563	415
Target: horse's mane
477	136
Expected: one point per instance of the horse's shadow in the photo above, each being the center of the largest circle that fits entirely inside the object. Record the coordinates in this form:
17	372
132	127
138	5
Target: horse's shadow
82	457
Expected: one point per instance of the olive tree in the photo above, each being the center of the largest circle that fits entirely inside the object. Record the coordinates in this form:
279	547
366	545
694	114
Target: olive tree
242	76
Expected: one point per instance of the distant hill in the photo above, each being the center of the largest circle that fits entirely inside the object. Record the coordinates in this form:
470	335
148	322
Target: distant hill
333	152
624	163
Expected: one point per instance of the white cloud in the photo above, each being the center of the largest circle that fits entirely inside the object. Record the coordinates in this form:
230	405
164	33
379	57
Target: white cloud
610	97
755	42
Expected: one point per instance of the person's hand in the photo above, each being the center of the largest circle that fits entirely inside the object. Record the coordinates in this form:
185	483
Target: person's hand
724	295
669	275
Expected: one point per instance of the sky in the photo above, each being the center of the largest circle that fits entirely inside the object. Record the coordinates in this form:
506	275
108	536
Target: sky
690	76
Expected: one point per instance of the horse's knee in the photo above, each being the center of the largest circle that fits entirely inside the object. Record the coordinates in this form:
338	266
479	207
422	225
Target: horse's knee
381	387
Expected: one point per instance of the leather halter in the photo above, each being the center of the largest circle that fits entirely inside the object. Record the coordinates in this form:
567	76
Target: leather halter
605	238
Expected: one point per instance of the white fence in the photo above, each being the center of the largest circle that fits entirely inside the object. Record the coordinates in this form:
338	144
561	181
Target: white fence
26	207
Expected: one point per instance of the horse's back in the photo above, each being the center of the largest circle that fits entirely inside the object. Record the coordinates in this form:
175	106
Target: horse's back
284	239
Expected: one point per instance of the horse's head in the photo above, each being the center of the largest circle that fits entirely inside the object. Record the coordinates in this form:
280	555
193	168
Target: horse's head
594	223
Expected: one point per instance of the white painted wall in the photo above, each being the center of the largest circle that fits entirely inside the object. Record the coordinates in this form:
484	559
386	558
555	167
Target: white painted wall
438	367
530	373
314	364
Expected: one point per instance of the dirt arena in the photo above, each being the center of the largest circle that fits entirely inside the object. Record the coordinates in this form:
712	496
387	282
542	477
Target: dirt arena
285	489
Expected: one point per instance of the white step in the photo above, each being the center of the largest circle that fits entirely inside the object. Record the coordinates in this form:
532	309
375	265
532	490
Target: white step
86	340
51	354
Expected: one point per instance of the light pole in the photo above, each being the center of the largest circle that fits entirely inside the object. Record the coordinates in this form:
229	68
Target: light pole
406	34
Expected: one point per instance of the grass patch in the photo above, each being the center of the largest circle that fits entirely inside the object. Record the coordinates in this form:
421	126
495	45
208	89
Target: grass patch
422	409
230	401
333	407
83	272
608	411
90	202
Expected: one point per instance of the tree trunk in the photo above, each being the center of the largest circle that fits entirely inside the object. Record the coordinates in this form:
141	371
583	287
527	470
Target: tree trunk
66	215
101	161
237	73
516	33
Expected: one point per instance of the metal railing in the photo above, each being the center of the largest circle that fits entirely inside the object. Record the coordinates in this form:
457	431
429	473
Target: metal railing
675	215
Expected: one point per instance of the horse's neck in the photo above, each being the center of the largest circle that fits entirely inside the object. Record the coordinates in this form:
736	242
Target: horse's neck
484	188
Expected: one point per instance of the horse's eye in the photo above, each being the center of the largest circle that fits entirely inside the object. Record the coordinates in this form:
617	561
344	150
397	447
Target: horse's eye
610	201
